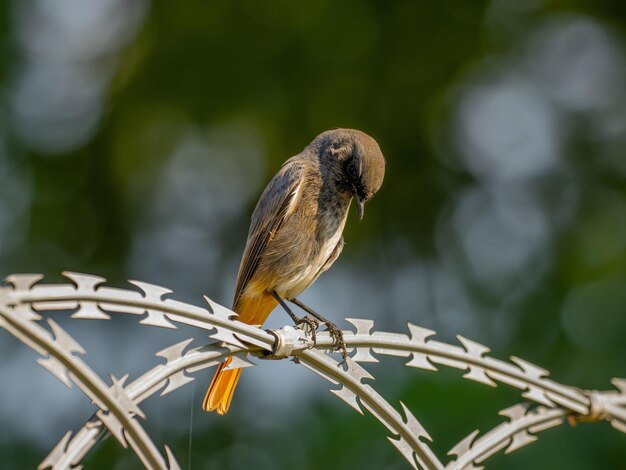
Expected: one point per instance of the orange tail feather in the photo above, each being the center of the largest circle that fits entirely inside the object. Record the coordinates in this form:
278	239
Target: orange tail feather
222	388
251	310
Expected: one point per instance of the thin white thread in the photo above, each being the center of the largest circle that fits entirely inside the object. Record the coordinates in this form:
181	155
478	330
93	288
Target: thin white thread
191	408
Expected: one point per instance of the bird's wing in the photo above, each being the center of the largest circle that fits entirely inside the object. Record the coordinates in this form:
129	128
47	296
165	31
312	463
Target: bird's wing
275	204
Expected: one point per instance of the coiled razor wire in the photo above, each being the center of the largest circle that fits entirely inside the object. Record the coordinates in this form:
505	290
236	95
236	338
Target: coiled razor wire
24	299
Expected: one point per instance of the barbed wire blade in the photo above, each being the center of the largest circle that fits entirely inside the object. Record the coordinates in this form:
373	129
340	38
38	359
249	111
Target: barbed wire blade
476	350
362	327
56	454
151	291
85	283
156	318
174	352
515	412
357	371
171	459
413	424
464	445
56	368
128	405
239	362
349	397
23	282
520	439
109	420
405	449
154	293
619	425
535	373
176	381
8	324
64	340
170	354
619	384
88	310
27	312
478	374
223	334
419	336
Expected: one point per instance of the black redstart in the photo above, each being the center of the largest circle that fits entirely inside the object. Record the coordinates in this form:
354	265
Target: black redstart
296	233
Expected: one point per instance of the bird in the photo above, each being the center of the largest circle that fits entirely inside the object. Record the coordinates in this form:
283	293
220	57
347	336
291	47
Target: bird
296	234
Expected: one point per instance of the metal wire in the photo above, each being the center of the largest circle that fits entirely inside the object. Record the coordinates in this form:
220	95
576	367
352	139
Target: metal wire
24	299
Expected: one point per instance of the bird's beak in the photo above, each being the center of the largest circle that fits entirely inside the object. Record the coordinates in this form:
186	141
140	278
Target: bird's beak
361	205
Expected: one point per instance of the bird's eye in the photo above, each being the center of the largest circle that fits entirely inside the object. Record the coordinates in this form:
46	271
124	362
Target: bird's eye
353	169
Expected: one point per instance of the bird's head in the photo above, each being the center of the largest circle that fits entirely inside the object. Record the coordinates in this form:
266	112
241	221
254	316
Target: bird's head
357	162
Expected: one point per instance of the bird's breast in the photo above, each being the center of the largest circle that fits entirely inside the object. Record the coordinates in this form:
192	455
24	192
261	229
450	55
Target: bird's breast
314	252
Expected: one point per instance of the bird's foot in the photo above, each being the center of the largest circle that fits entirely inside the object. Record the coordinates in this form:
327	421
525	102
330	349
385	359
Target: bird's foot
309	326
338	343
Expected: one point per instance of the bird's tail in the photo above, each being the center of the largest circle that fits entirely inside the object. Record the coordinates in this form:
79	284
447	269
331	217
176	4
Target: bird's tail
222	388
251	310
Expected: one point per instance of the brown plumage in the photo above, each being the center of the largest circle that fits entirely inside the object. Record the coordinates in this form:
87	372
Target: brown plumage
296	230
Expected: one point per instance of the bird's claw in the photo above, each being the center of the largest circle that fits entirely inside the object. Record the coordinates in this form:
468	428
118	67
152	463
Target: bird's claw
309	326
339	343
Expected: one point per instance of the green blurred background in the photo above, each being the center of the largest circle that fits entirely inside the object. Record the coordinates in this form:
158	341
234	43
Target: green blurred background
136	136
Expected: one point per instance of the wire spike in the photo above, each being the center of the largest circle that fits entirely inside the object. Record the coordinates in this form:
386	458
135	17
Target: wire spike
151	291
405	449
413	424
478	374
90	311
357	371
223	334
113	425
349	397
55	455
418	333
362	325
529	368
123	399
619	425
472	347
171	459
56	368
619	384
464	445
239	362
174	352
156	318
23	282
64	340
514	412
537	395
176	381
220	311
84	282
420	361
520	439
26	312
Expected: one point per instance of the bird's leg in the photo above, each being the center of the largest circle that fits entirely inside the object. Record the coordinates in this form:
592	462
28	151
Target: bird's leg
311	323
330	326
